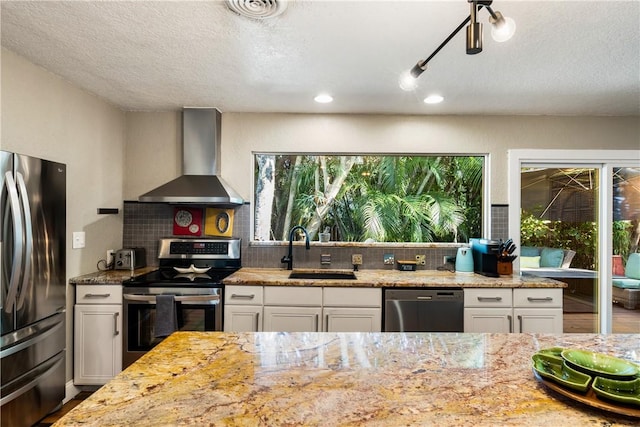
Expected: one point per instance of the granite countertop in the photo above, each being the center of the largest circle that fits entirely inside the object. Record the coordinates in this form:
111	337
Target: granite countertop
109	277
215	378
391	278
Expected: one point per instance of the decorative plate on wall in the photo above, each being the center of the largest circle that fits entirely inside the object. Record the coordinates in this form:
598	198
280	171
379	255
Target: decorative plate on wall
187	221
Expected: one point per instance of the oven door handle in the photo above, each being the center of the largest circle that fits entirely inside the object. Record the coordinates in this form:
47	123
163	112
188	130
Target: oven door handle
178	298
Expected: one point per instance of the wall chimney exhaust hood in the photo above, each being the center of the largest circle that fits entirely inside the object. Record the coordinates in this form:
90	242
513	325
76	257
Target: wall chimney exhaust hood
200	165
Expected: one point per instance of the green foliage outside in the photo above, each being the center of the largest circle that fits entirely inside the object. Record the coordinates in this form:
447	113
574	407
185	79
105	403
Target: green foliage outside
580	237
382	198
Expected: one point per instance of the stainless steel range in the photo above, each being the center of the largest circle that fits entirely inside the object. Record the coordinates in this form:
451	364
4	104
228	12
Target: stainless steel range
191	270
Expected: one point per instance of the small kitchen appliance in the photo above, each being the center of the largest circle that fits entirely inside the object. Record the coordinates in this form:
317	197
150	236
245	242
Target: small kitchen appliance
485	256
464	261
191	270
130	259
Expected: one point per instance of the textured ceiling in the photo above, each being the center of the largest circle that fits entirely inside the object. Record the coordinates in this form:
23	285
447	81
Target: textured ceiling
567	58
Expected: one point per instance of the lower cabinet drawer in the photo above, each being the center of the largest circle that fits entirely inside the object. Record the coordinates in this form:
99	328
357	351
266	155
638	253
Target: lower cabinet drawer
98	294
488	297
293	296
352	297
243	295
537	297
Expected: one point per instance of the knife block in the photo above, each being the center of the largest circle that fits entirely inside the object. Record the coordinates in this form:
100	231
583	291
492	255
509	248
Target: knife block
505	268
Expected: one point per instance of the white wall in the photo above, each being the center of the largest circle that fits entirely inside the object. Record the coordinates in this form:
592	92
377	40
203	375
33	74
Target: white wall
45	116
243	134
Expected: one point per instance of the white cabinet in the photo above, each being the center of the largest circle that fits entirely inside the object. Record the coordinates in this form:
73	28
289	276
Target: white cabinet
292	319
302	309
538	310
488	310
513	310
243	308
97	334
292	309
352	309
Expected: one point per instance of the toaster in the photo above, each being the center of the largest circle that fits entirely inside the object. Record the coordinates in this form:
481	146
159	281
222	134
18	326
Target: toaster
130	259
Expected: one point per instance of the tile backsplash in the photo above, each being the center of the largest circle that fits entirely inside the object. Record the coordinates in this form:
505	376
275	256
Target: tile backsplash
146	223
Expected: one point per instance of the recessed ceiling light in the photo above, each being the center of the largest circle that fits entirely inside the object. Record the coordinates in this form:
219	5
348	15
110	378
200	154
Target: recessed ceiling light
433	99
323	98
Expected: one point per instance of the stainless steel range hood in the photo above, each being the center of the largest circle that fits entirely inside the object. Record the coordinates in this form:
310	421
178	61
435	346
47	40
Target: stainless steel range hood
200	164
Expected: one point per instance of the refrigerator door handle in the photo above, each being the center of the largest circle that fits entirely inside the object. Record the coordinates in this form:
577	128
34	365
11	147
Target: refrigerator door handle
28	231
16	268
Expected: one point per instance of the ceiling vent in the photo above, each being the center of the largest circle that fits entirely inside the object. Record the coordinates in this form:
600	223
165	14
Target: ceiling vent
257	9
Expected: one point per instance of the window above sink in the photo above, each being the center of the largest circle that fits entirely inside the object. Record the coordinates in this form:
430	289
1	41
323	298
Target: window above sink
368	199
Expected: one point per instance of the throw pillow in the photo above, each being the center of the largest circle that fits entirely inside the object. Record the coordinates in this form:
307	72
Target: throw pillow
529	262
551	257
632	269
529	251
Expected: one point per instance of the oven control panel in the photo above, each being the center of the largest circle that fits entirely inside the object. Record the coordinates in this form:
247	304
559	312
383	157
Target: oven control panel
199	248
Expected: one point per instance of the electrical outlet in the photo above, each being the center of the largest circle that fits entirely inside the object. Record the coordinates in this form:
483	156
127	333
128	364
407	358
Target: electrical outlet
110	256
356	259
421	259
388	259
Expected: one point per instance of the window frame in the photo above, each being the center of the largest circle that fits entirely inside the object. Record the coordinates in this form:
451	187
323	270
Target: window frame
486	197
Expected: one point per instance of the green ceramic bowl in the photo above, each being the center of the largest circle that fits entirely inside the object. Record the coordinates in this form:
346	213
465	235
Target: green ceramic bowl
552	351
556	369
598	364
621	391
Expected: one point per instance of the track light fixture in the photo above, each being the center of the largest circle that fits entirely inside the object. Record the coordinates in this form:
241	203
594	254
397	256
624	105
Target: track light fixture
502	29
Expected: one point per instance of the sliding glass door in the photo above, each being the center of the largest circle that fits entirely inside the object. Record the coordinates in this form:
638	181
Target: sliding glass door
559	235
625	288
575	216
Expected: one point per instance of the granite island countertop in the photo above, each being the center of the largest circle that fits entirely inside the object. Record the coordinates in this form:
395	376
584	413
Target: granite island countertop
391	278
390	379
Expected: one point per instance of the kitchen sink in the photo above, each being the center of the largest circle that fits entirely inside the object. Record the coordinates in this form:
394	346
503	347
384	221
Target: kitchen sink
323	274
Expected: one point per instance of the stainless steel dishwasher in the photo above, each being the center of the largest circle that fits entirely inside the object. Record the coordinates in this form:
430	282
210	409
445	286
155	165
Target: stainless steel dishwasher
424	310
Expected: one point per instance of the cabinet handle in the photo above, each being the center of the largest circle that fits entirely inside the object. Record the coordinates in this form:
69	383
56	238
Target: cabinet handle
520	322
317	321
510	322
533	299
240	296
489	298
115	323
97	295
257	322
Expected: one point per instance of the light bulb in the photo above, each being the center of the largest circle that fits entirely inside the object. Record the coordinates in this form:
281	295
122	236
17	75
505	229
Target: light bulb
407	81
433	99
323	98
503	29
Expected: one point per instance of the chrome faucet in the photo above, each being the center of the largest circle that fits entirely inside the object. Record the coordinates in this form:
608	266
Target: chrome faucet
288	259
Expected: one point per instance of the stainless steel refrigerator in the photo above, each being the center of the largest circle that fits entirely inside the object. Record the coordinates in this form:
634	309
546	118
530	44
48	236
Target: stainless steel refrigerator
32	351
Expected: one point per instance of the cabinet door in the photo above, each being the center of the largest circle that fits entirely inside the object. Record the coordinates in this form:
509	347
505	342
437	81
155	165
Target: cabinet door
98	343
292	319
538	320
352	319
242	318
488	320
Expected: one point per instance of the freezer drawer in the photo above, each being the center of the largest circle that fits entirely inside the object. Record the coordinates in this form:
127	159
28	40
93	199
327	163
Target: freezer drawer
35	394
28	347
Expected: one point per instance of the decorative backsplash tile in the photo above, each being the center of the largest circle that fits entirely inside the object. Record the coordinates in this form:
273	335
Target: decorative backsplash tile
146	223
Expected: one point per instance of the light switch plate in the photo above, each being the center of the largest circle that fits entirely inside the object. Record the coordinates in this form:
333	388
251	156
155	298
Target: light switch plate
78	240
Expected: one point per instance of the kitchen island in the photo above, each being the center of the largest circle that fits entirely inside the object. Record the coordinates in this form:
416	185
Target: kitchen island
196	378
